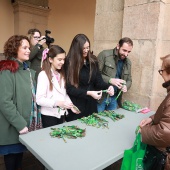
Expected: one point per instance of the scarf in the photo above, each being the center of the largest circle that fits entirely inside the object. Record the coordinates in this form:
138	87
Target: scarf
35	116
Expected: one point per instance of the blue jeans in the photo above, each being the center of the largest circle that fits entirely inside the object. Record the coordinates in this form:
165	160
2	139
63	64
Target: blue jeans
112	104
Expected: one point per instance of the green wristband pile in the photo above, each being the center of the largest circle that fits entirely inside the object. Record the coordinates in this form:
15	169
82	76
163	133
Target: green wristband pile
131	106
70	132
94	120
112	115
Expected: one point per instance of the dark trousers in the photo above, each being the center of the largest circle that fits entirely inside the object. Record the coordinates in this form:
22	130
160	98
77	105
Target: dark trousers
48	121
13	161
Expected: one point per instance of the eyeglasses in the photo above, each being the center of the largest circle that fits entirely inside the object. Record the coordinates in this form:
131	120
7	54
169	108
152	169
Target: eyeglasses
161	71
36	38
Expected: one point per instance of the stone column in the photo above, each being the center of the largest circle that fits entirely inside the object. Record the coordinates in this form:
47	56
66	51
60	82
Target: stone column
108	24
30	14
146	23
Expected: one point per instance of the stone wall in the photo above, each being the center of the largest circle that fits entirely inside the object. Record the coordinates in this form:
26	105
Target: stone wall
108	24
146	22
28	15
41	3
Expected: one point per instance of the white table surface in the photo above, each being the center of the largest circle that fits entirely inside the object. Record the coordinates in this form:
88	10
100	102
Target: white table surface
97	150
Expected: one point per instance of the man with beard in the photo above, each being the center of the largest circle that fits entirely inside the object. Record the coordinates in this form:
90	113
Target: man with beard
115	68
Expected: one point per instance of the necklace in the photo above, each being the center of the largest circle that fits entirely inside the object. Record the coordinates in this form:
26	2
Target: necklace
57	75
84	61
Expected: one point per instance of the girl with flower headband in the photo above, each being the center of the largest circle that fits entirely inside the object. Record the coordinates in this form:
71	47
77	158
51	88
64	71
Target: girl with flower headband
51	93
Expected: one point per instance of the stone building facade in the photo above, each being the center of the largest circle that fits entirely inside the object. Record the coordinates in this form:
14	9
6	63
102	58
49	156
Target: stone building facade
146	22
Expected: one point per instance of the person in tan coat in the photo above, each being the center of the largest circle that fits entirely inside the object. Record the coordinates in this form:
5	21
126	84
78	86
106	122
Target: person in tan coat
155	130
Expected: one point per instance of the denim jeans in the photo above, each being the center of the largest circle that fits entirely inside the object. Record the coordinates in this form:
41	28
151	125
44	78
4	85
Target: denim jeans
112	104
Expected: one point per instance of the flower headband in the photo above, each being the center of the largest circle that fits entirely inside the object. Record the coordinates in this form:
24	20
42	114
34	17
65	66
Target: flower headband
44	55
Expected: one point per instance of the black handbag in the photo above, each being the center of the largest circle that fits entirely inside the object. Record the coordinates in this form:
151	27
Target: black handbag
154	159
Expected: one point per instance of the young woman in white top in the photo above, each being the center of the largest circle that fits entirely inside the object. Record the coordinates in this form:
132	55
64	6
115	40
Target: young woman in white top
51	93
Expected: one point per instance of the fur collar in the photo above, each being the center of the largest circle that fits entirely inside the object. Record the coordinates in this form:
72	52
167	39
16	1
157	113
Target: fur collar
9	65
167	85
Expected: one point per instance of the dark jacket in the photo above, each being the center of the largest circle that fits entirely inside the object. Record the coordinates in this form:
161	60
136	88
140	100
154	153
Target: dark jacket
108	67
158	133
35	59
86	104
15	100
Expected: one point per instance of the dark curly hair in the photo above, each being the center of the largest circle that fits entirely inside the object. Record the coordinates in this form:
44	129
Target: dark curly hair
12	45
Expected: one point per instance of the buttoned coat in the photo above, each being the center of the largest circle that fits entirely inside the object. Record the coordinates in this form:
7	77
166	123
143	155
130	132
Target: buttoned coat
15	100
108	67
47	99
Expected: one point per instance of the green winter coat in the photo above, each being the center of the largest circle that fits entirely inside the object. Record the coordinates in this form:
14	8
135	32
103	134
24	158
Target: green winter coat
108	67
15	100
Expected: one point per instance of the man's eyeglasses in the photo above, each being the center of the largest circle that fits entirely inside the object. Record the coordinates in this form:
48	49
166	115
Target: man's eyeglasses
36	38
161	71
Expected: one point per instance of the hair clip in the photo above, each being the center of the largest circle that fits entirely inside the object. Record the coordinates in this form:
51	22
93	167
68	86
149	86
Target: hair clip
44	54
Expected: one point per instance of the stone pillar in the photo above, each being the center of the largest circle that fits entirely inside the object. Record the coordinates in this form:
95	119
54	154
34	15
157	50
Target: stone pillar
147	23
41	3
30	14
108	24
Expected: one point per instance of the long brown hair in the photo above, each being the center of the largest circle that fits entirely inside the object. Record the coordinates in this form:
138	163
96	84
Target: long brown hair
75	60
46	65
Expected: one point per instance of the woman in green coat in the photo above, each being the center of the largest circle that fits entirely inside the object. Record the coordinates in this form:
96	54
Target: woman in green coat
16	99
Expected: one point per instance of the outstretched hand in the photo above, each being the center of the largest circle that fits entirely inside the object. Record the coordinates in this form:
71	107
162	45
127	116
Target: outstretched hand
145	122
64	104
95	94
24	131
124	88
110	90
75	110
117	82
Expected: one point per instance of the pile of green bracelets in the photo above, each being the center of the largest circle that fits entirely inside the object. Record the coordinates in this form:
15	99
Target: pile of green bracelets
131	106
111	114
73	132
70	132
94	120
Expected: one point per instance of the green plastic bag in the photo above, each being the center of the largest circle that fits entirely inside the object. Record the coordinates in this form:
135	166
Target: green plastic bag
133	158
